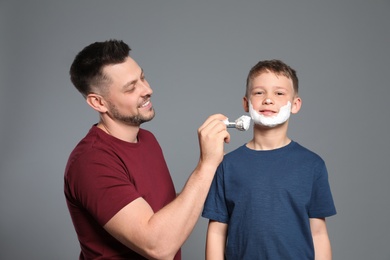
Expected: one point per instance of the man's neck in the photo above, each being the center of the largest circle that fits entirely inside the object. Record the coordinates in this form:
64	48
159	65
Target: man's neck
123	132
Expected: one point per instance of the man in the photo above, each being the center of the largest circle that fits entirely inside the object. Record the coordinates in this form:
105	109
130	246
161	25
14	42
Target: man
117	185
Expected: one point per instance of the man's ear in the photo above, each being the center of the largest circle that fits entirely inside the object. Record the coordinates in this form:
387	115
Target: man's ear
245	104
296	105
97	102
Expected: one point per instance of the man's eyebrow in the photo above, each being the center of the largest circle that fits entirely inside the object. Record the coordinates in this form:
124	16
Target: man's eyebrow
128	84
133	81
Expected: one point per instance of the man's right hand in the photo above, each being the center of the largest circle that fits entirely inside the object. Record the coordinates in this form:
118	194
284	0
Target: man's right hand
212	135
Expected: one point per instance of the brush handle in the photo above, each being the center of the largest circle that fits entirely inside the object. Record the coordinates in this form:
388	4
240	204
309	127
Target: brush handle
230	124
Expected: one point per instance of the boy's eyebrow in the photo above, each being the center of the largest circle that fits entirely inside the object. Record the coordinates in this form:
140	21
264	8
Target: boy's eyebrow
275	87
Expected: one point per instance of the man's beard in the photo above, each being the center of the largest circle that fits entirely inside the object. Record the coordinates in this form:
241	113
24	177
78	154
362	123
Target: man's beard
136	120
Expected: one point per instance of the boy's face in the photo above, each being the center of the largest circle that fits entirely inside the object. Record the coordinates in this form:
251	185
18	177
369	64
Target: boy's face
272	99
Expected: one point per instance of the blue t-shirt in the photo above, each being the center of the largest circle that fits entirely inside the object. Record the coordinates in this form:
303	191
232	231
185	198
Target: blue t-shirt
267	198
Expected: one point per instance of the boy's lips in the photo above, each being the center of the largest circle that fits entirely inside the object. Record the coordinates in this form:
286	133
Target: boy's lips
268	112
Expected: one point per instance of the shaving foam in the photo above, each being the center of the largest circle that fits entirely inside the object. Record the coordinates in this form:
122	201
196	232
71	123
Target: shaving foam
243	123
271	121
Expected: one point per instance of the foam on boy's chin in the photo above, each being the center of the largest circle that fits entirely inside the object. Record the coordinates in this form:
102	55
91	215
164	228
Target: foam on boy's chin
271	121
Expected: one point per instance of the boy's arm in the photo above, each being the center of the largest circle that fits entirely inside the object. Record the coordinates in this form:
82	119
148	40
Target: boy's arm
322	247
216	240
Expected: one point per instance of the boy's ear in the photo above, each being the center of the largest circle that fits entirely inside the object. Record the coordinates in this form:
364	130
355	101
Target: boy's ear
296	105
245	104
97	102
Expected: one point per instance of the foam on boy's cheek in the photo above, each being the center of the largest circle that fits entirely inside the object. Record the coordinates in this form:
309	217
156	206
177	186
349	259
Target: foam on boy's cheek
281	117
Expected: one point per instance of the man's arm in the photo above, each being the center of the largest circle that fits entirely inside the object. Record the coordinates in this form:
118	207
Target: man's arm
216	240
322	247
159	235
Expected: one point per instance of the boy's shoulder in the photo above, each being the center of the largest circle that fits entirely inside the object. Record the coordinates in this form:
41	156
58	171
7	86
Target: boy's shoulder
292	149
304	149
305	155
236	153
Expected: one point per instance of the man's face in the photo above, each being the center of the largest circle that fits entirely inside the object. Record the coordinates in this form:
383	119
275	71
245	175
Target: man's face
128	97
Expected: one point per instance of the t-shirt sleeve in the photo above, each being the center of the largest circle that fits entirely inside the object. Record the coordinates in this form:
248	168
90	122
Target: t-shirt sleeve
215	205
102	189
321	204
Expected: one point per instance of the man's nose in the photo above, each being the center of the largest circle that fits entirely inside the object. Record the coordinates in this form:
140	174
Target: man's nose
147	90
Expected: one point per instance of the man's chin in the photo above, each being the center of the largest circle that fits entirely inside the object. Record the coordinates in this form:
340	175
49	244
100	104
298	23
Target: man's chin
147	119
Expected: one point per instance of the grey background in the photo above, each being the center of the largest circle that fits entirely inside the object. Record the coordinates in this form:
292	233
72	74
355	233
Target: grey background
196	55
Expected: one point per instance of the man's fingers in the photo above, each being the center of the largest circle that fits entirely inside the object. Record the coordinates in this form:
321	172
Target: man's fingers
211	121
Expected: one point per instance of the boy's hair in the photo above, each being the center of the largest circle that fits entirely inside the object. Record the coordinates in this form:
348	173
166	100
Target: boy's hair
86	71
275	66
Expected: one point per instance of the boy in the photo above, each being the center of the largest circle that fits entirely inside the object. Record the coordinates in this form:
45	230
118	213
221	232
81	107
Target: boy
269	198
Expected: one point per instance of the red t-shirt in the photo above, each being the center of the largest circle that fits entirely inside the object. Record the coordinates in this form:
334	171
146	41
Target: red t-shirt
103	175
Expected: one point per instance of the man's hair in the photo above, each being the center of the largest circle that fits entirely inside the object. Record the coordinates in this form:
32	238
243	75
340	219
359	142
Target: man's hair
86	71
275	66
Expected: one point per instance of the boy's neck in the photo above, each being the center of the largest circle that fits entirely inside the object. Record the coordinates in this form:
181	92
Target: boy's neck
269	138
